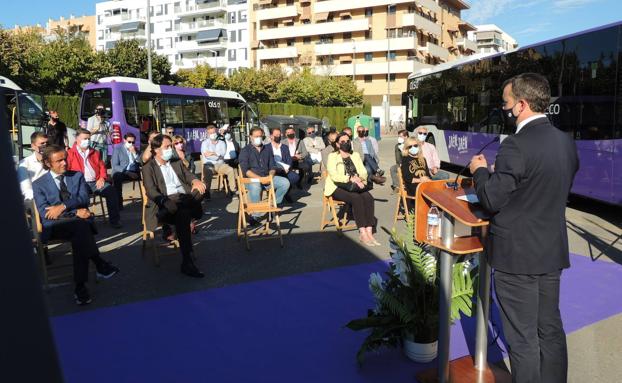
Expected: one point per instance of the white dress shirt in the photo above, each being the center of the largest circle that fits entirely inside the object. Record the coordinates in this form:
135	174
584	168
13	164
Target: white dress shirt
55	178
230	153
528	120
89	172
28	171
173	185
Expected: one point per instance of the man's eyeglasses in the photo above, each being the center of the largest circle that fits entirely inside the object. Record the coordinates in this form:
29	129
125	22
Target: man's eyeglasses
131	142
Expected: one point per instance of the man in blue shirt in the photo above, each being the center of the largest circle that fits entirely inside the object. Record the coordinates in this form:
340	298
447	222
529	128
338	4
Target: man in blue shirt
213	152
124	165
257	162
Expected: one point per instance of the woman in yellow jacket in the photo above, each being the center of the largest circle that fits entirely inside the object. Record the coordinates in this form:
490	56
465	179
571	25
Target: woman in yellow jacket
345	173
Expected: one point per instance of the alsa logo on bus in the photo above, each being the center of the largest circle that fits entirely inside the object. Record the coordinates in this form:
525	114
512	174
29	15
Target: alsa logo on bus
213	104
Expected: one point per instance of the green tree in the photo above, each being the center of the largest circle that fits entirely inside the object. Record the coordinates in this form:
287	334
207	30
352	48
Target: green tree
20	57
202	76
257	85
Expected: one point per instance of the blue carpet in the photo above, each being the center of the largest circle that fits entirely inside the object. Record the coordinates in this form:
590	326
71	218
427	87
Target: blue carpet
288	329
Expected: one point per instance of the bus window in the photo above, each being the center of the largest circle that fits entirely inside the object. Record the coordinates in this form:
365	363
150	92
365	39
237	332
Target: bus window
194	112
139	111
92	98
171	111
218	112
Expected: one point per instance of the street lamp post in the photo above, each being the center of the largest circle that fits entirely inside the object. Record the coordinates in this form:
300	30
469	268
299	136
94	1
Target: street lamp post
149	74
353	61
387	116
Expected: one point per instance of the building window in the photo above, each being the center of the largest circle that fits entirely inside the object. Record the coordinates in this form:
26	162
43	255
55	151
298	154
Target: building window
391	77
231	53
100	34
242	52
231	17
168	26
289	2
306	21
392	9
290	42
233	36
306	40
391	55
347	36
290	61
367	78
369	12
368	35
241	16
369	56
326	39
159	10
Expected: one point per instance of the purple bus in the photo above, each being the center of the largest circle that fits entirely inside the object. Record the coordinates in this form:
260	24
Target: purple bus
460	103
140	106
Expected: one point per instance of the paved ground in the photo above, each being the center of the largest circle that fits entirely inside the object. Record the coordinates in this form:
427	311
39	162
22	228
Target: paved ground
594	231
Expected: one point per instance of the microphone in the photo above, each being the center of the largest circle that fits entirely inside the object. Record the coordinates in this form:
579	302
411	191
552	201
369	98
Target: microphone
455	183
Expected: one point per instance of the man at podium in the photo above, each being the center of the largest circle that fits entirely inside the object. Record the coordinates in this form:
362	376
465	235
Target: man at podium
527	242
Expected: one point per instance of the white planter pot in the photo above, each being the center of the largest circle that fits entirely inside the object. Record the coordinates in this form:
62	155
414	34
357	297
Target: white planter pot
420	352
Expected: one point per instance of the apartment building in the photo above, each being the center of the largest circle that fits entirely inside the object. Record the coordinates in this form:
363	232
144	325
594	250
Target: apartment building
81	26
188	32
377	42
490	39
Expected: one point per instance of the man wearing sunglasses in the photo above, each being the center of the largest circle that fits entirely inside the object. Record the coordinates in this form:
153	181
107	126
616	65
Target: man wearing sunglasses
124	164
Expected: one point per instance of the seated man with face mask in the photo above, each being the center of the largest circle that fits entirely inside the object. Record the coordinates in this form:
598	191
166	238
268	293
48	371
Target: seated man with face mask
213	152
257	161
402	135
431	155
31	167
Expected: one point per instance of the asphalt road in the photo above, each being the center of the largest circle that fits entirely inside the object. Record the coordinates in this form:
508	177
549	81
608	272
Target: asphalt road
594	229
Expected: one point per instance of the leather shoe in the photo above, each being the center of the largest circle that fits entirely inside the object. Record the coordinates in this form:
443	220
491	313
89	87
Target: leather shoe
190	269
380	172
378	179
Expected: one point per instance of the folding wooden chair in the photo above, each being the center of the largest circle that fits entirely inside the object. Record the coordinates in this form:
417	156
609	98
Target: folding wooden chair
222	183
402	200
148	236
102	205
267	206
332	207
42	249
131	197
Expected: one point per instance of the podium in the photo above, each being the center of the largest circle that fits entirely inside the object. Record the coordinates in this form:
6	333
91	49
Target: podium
465	369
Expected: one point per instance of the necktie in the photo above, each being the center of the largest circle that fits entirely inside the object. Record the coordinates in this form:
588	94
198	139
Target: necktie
64	192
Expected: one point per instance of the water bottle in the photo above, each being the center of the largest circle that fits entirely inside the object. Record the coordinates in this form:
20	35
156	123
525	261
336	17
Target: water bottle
434	224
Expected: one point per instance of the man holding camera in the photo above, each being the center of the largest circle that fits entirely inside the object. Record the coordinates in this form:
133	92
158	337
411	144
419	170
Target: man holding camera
100	129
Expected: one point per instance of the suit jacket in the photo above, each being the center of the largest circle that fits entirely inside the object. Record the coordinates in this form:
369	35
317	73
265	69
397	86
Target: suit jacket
155	187
121	159
300	147
76	163
47	194
527	194
357	146
286	158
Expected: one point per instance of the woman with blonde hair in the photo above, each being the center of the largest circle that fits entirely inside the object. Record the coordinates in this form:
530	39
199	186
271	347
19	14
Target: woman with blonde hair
414	167
179	143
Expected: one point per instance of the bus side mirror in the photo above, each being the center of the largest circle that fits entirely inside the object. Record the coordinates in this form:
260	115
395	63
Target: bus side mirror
410	124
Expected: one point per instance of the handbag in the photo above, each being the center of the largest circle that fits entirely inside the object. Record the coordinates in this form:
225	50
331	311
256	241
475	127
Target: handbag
352	187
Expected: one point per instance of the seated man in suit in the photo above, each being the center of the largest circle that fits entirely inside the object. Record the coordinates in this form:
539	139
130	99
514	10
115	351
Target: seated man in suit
177	196
62	199
331	137
402	136
232	151
282	159
368	146
258	162
124	165
298	152
81	158
31	167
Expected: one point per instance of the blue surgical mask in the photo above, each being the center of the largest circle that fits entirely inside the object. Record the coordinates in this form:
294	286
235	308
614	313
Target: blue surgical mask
213	136
257	141
413	150
227	136
167	154
422	136
400	140
84	144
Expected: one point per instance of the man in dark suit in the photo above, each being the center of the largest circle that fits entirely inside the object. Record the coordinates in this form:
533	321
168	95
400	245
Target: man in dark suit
282	159
62	199
527	241
124	165
177	196
299	153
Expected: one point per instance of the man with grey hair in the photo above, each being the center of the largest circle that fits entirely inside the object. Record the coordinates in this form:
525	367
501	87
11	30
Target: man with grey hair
527	243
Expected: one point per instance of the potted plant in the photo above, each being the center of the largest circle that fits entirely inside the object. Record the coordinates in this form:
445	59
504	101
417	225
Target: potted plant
407	302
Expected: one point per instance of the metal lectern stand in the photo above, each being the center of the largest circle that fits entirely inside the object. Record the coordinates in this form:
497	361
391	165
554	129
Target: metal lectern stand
465	369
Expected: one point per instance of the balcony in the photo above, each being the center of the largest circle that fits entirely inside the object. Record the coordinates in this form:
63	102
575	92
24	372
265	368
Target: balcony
436	51
362	46
421	23
195	26
402	66
277	13
343	5
194	46
466	44
277	53
313	29
214	62
117	20
202	9
430	5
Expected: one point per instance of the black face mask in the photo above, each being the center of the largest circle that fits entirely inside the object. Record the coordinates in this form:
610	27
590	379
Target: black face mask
366	133
346	147
509	118
54	119
291	136
361	134
312	134
276	139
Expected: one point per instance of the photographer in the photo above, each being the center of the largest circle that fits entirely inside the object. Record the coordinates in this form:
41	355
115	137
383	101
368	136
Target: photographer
100	129
56	130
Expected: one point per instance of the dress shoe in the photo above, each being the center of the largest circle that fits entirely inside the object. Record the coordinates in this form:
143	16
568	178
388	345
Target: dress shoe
380	172
190	269
378	179
116	225
82	296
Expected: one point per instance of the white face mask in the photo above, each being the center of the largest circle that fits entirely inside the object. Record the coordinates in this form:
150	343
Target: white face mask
84	144
413	150
422	136
227	136
400	146
167	154
257	141
400	140
213	136
128	145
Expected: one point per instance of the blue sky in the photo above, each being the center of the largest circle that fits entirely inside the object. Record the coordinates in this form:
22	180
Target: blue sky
528	21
